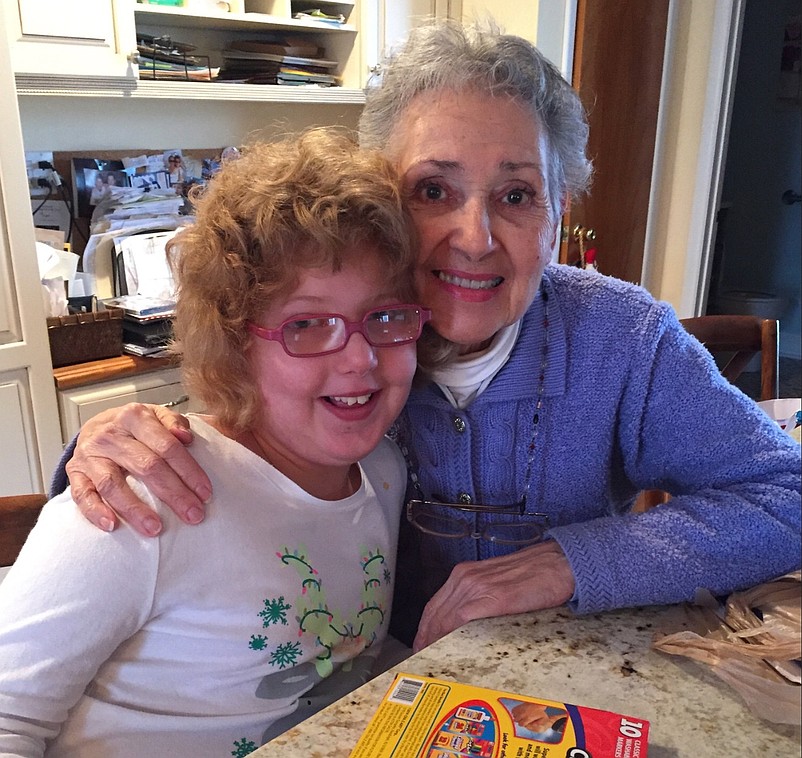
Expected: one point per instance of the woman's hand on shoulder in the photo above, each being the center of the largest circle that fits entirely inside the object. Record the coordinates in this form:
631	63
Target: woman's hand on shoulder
530	579
149	442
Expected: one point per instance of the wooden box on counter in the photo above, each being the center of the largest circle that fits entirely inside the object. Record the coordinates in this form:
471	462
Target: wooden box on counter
83	337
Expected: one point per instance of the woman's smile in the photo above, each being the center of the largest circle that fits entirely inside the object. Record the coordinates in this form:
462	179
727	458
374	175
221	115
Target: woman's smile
471	288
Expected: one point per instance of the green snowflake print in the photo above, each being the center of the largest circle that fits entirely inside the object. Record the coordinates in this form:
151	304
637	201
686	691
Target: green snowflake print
286	654
275	611
243	747
258	642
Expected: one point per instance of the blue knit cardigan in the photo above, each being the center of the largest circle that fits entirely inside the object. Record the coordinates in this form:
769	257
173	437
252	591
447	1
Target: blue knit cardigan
631	402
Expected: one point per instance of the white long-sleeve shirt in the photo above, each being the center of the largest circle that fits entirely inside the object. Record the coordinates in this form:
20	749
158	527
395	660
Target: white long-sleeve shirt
194	642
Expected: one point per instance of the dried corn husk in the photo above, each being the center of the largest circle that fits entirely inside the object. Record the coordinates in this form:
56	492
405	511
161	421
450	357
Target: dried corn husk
758	655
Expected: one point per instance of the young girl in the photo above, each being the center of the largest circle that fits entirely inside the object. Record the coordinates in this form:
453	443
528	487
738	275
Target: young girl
296	326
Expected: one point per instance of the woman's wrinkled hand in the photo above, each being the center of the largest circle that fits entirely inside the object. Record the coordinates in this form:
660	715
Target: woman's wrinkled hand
533	578
149	442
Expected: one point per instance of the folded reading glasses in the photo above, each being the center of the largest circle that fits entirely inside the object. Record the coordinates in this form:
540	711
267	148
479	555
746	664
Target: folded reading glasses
443	520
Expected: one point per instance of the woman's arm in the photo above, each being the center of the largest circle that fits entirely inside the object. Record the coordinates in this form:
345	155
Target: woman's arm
734	518
147	441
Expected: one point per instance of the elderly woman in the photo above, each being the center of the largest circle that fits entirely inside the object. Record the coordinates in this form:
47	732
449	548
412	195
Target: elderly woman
571	392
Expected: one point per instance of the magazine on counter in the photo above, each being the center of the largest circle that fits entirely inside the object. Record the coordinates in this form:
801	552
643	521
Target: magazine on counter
422	717
139	307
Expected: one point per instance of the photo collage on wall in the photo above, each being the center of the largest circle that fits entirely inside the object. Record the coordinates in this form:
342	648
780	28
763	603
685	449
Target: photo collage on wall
99	180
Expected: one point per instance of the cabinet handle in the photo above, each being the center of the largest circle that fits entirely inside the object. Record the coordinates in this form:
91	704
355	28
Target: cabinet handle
178	401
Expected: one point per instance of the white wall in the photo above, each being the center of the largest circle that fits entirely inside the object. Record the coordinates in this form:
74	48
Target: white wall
696	92
118	124
514	17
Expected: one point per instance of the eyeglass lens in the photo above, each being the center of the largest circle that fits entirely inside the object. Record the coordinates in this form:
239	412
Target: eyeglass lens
381	328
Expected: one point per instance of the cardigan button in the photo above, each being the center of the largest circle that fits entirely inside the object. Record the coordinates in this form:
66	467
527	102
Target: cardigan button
459	424
464	498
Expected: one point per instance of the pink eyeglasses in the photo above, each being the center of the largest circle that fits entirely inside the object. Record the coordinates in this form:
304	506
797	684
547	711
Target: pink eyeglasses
310	335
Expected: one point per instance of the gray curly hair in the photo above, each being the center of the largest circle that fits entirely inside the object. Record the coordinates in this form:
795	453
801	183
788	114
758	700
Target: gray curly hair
445	55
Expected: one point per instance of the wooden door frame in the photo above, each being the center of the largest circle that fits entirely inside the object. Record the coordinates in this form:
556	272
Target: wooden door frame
618	62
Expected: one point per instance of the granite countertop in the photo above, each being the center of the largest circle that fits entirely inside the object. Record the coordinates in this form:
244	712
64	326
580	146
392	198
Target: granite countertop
602	661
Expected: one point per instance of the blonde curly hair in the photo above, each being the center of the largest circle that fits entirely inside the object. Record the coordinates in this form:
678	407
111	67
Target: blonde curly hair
302	202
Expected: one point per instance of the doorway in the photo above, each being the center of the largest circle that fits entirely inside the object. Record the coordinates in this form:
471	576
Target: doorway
758	240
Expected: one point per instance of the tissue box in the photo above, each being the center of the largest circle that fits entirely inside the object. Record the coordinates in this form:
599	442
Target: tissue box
85	336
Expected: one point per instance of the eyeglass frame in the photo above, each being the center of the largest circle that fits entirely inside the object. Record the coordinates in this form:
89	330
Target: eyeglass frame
519	509
351	328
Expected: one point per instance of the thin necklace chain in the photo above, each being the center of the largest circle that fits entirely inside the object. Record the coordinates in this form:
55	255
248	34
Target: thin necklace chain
530	455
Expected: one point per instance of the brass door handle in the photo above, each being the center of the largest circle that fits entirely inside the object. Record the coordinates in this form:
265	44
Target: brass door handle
580	233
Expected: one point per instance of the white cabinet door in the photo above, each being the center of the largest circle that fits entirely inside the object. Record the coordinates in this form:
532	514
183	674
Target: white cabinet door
29	425
71	37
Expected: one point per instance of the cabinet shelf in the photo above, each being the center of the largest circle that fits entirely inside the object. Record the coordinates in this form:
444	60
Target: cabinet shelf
102	86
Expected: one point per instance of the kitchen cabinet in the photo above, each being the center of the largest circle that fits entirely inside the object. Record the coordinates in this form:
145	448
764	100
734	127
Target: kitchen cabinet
86	65
71	37
160	387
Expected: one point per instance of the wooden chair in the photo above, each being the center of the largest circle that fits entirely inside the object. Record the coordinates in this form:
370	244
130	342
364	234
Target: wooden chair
18	514
743	337
736	340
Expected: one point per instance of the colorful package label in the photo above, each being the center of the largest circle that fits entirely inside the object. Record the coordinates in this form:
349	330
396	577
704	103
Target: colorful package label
422	717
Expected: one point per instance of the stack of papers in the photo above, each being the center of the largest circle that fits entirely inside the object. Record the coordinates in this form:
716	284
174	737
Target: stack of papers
316	14
143	307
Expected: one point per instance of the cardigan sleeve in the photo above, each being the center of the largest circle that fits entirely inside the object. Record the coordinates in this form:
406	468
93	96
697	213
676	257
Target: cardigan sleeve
73	595
58	479
734	518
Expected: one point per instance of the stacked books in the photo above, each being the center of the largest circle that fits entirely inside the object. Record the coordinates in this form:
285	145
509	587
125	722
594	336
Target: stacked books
147	324
142	307
290	63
